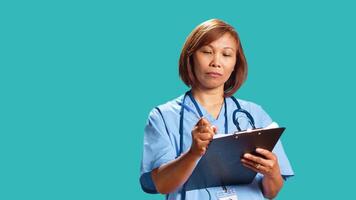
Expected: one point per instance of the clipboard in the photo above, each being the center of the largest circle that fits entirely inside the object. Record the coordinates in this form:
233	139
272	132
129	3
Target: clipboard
221	165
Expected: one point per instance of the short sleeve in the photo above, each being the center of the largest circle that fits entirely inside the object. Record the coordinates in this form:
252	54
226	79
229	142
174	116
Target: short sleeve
263	118
157	149
284	165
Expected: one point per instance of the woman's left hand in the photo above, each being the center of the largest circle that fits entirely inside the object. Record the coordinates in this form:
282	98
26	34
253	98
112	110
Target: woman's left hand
266	165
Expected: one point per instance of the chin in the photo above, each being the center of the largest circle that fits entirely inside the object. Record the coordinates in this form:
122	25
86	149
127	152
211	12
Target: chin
211	86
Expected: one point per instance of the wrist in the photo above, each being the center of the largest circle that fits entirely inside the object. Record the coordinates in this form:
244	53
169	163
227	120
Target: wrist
273	176
191	155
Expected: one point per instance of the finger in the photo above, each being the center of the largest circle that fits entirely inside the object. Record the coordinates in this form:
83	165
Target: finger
202	135
215	129
202	144
203	122
195	130
255	166
252	167
256	159
268	165
268	154
205	136
210	130
205	129
249	162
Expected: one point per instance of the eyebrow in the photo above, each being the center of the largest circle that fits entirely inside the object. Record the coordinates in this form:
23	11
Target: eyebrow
229	48
223	48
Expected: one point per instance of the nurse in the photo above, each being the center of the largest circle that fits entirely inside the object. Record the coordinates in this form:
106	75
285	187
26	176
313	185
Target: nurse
177	133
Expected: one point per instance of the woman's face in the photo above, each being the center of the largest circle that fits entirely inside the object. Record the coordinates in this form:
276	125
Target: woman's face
214	63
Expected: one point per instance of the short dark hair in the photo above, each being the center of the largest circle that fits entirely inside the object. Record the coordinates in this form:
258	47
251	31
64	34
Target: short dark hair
204	34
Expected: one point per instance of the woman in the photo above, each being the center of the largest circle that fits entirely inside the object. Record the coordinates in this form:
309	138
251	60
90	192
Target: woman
177	134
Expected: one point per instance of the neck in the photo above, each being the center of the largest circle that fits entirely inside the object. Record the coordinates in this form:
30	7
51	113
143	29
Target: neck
209	97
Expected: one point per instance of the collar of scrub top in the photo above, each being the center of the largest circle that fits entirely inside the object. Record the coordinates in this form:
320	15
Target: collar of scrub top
201	113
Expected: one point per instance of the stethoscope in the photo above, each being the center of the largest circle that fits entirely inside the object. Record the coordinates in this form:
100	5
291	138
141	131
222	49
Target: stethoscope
234	120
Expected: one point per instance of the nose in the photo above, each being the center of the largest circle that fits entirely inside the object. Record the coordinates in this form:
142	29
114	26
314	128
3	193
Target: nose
215	62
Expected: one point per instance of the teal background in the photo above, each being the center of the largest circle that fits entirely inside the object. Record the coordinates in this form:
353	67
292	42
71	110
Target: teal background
78	79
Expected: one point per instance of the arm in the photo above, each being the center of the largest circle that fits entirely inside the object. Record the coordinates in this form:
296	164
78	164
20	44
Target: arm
272	185
272	181
169	177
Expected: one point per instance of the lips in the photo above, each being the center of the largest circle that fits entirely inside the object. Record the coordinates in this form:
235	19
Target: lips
214	74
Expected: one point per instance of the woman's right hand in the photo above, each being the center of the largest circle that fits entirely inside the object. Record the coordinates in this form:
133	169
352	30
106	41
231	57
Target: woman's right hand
202	134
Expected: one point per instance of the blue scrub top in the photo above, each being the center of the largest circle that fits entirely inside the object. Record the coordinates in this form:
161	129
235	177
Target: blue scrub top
161	144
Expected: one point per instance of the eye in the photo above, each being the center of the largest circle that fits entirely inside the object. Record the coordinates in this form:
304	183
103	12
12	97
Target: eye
206	50
227	55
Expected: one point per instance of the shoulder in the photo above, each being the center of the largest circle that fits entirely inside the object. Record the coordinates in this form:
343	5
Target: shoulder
169	108
247	105
173	105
